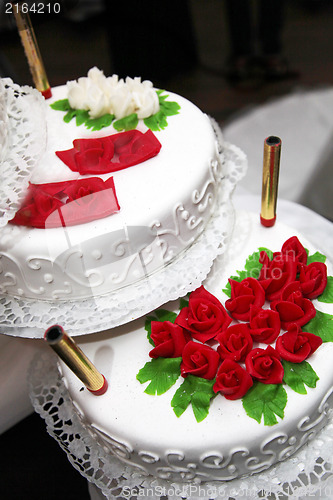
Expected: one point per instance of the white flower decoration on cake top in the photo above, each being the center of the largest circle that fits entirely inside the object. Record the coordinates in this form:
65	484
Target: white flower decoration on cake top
99	95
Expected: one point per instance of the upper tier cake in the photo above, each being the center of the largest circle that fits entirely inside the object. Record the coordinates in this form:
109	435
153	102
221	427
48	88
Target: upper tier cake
237	381
108	206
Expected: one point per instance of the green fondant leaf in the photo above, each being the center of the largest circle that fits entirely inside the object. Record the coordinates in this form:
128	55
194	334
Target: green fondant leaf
316	257
164	315
184	301
321	325
327	295
167	108
81	116
196	391
155	123
70	115
162	374
61	105
267	400
129	122
297	375
99	123
182	397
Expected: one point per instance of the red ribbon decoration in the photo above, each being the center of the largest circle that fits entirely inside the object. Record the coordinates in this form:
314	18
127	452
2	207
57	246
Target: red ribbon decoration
109	154
67	203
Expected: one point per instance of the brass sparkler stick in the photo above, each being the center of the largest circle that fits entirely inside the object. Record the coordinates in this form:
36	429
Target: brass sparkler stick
31	49
270	180
76	360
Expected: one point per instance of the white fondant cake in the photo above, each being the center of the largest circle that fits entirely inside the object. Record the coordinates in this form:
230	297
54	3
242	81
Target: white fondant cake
143	431
165	203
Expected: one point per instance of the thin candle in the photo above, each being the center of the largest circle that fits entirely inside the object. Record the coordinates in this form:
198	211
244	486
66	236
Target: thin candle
75	359
270	180
31	50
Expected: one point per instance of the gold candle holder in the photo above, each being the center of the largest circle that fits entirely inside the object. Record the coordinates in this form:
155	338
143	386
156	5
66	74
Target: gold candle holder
270	180
76	360
31	49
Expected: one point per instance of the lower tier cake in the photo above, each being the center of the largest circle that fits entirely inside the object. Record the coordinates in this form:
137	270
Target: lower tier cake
232	378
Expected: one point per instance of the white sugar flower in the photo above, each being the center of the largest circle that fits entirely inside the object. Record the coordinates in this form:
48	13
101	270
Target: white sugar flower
97	101
121	102
97	76
77	93
86	94
100	95
145	99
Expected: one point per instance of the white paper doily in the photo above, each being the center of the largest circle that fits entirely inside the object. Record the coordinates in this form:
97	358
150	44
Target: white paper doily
30	318
24	141
307	474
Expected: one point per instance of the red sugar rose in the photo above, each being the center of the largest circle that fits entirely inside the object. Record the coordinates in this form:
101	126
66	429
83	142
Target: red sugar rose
204	317
265	365
232	380
293	249
276	274
293	307
313	279
265	325
169	339
295	345
109	154
200	360
235	342
244	294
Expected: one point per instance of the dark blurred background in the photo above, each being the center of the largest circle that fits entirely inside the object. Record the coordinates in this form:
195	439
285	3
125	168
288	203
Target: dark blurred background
180	45
184	47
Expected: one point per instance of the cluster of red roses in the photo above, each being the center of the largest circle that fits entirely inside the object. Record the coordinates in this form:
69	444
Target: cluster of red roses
82	200
288	283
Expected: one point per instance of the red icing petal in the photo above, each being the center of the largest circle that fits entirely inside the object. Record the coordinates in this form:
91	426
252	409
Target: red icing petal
205	316
295	345
235	342
244	294
169	339
200	360
290	312
313	279
232	380
265	365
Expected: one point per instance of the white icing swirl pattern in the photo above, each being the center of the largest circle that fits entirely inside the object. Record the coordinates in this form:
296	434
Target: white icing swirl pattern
114	461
